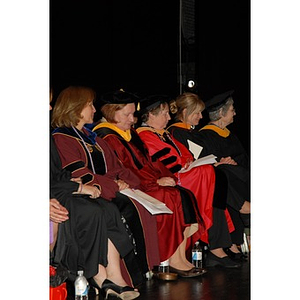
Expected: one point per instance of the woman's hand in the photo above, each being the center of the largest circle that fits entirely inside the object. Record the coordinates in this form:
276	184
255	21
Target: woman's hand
226	160
77	179
58	213
122	184
93	191
166	181
187	164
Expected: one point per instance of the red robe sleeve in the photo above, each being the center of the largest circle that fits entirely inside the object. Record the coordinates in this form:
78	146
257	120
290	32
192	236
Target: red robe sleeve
173	160
148	173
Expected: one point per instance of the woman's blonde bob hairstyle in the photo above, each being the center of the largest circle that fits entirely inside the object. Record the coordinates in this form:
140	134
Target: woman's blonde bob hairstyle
189	101
69	105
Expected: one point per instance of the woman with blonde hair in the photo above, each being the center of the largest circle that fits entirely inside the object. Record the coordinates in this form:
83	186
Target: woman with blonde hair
201	180
231	156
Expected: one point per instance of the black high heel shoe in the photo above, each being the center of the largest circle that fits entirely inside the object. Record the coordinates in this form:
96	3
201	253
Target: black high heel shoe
95	285
212	261
236	256
122	292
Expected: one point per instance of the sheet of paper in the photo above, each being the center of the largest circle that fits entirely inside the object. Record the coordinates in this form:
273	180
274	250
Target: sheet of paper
153	205
194	148
206	160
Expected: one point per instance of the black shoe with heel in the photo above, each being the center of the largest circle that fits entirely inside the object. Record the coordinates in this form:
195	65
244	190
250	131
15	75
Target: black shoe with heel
110	288
236	256
226	262
95	285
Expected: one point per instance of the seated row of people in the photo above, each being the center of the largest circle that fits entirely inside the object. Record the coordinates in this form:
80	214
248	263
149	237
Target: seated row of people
230	176
215	138
91	235
114	156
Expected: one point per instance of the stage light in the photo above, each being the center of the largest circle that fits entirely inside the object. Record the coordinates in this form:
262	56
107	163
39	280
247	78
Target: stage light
191	84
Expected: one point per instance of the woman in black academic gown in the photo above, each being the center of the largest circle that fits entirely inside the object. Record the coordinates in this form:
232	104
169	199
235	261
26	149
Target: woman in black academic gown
93	237
216	139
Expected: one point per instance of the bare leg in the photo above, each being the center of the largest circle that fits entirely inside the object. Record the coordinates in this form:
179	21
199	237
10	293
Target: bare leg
218	252
178	260
234	248
113	268
55	231
101	276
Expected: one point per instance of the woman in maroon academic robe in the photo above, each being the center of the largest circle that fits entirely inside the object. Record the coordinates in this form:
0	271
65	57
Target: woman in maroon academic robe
200	180
90	158
173	230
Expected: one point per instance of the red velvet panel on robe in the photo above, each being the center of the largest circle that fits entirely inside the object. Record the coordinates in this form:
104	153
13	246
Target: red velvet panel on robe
200	180
170	227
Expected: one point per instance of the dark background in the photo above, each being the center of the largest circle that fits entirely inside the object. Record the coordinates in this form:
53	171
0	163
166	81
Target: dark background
134	45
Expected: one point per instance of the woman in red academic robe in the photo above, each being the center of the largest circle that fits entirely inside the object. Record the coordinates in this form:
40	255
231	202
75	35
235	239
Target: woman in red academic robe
156	180
200	180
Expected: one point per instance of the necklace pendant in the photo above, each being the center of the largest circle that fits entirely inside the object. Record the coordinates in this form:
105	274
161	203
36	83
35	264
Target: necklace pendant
90	148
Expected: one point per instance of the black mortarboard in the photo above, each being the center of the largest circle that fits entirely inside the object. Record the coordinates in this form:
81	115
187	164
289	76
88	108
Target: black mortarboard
119	97
153	101
217	101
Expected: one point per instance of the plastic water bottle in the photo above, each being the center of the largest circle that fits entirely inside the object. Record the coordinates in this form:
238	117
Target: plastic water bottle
164	266
81	287
197	255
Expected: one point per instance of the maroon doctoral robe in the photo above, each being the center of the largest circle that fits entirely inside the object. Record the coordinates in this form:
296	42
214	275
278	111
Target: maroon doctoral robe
130	153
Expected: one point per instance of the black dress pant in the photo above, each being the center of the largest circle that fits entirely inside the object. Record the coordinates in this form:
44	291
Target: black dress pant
218	233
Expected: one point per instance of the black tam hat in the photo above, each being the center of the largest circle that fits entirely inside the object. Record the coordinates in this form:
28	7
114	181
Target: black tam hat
217	101
153	101
119	97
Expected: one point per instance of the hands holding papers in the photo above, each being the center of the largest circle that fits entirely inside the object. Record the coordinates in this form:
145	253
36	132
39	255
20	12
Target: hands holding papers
206	160
153	205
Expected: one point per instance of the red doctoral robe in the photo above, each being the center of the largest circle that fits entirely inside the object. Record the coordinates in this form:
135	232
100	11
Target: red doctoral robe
200	180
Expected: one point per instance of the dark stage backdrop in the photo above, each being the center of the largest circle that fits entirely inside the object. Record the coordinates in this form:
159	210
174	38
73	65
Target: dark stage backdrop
112	44
223	60
109	44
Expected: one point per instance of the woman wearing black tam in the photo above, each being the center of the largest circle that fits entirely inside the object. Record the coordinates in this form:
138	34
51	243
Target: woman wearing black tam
217	139
174	230
188	108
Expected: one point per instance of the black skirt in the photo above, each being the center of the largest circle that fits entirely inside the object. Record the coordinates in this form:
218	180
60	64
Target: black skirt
82	242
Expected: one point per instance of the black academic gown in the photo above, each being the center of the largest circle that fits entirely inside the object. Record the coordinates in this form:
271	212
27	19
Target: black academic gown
237	176
83	239
214	143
